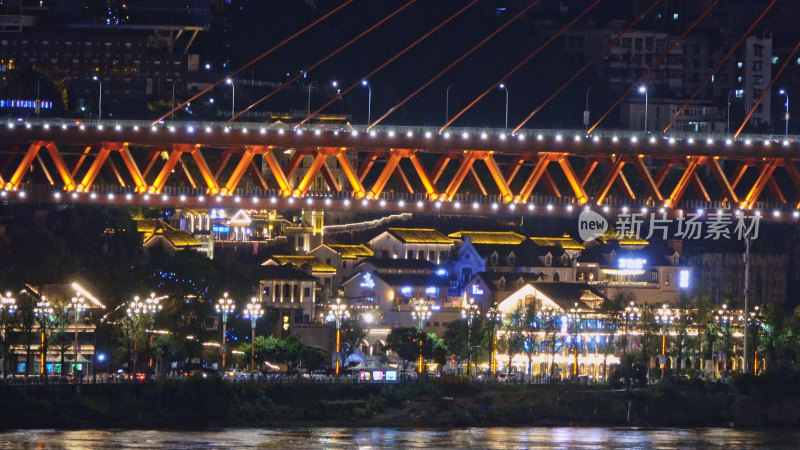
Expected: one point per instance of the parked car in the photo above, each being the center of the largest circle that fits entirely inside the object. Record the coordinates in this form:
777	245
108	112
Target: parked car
320	375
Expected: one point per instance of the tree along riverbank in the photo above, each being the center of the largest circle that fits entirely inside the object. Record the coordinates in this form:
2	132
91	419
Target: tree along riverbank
766	401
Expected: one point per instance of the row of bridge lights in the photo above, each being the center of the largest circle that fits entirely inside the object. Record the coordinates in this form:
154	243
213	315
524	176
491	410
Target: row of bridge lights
402	204
427	134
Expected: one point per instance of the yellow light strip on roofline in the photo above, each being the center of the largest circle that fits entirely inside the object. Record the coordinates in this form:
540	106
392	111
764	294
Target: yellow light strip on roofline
81	291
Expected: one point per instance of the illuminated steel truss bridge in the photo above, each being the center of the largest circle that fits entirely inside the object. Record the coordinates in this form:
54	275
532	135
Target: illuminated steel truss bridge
410	169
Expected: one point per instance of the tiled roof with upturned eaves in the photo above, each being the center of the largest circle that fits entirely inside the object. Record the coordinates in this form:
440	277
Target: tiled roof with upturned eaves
419	236
155	227
490	237
300	260
352	251
565	242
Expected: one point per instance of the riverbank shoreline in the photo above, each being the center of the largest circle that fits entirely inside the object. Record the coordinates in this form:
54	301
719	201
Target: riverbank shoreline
216	404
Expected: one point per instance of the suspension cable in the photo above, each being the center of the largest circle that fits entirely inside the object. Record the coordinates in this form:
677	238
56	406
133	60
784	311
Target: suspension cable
476	47
586	66
524	61
255	60
389	61
766	91
654	65
719	65
329	56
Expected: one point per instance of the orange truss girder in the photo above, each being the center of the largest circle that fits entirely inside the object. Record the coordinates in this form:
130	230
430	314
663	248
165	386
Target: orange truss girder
174	156
105	150
205	171
461	173
313	171
240	169
683	182
644	174
383	178
427	183
502	185
61	167
355	181
761	182
133	169
613	173
574	182
27	160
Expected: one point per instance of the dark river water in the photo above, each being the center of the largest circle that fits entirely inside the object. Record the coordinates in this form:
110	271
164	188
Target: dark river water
495	437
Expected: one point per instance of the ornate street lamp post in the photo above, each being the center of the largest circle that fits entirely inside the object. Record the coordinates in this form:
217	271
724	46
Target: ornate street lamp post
724	317
495	318
469	312
225	306
338	312
43	311
574	317
665	317
755	320
137	310
421	312
253	311
547	318
79	305
630	314
8	306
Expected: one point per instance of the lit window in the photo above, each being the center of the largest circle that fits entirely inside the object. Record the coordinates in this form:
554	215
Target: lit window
683	280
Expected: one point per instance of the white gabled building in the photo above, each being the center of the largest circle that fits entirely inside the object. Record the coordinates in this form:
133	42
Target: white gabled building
412	243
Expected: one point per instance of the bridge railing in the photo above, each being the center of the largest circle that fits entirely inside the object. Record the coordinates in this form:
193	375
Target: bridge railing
256	127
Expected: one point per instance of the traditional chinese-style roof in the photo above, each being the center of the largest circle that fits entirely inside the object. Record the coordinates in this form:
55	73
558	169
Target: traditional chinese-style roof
565	242
352	251
490	237
300	260
151	228
283	272
419	236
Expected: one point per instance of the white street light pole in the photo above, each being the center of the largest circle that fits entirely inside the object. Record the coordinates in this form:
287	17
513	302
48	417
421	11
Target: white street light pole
233	96
225	306
586	110
38	90
369	101
447	103
503	86
643	90
253	311
172	105
100	100
786	94
728	126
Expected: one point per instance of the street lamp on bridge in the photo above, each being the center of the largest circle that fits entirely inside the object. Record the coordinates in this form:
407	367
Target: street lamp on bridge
643	90
225	306
369	101
503	86
786	117
233	96
253	311
447	103
100	99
